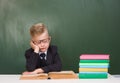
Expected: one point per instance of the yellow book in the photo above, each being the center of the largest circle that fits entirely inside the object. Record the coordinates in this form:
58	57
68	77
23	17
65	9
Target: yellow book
93	69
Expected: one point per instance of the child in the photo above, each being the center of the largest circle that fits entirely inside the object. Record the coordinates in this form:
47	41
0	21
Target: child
41	57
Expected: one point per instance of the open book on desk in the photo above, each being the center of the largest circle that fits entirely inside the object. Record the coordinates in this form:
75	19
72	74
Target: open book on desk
51	75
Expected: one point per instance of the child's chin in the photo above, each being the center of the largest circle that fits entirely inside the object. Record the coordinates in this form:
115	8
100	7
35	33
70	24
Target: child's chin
43	50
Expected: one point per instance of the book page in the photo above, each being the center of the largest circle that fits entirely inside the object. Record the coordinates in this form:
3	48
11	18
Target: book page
63	75
34	76
62	72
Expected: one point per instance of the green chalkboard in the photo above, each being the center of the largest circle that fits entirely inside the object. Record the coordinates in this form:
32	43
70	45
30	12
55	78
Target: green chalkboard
76	27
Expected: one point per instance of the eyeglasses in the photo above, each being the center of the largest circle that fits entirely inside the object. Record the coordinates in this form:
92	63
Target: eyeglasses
44	41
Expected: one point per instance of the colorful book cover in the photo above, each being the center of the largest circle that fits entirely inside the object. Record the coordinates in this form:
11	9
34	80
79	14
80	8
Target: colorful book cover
93	72
93	64
94	61
93	69
94	56
92	75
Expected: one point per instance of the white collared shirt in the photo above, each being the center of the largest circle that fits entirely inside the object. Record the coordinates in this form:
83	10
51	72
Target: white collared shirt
45	54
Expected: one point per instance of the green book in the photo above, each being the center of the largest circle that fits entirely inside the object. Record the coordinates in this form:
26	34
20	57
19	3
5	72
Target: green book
92	76
94	61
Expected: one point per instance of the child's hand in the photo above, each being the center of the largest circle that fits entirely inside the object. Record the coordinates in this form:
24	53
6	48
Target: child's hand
26	73
36	71
39	70
35	47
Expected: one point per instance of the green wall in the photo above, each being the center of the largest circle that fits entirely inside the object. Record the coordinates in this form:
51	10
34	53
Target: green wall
76	27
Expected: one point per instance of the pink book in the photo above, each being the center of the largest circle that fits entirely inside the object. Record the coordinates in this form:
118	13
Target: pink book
94	56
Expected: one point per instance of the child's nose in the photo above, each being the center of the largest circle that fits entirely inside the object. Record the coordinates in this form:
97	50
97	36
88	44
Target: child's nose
42	44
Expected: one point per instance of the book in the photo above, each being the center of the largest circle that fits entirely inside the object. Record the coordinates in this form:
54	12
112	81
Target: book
94	64
93	69
93	75
93	72
63	75
94	61
94	56
50	75
34	76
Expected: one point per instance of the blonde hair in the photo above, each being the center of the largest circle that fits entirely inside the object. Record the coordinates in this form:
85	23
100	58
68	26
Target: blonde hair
38	29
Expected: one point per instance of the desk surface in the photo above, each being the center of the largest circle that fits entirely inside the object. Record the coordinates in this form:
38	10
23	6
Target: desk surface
15	79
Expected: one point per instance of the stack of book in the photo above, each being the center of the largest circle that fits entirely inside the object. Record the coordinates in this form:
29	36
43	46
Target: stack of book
93	66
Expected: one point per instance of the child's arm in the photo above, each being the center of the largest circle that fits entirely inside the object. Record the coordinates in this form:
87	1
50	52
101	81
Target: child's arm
32	57
36	71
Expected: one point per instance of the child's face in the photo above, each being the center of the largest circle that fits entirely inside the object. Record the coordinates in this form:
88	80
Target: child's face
42	41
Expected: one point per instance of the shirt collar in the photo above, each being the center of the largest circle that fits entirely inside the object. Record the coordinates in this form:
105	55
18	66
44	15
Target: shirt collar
43	52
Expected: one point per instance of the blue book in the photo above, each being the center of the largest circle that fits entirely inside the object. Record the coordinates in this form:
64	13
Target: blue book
93	66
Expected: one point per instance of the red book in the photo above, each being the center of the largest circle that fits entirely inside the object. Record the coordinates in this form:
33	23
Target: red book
94	56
